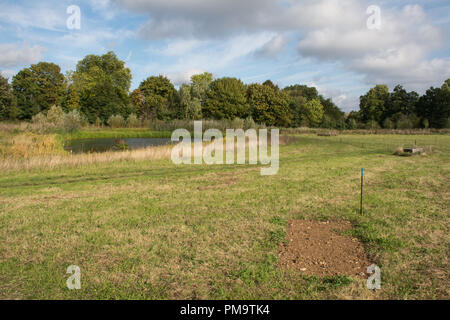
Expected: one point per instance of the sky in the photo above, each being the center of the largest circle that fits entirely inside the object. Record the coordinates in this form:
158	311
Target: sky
338	46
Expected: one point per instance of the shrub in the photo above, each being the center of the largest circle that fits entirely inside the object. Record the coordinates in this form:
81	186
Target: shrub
237	123
73	121
55	116
404	122
39	123
98	122
249	123
133	121
388	124
116	121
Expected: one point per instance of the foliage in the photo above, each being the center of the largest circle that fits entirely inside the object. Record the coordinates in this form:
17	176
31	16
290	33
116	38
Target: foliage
133	121
116	121
155	98
226	100
372	105
8	103
99	89
313	112
434	106
191	107
57	120
300	95
74	121
269	105
193	96
102	84
37	88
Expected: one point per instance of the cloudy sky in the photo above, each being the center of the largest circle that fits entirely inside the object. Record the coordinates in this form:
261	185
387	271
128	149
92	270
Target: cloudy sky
321	43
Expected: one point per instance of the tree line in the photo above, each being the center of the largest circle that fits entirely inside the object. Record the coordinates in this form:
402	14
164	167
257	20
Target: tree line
99	90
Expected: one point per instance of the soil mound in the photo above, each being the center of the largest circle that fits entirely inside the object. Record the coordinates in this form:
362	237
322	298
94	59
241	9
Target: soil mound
317	248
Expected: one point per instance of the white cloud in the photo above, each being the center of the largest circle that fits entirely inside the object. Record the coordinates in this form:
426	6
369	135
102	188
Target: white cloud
13	54
329	30
398	53
178	78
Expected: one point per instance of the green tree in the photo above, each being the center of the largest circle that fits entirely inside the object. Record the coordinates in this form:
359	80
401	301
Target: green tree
269	105
200	84
193	96
434	106
353	120
400	102
226	99
373	104
313	112
333	116
102	84
37	88
8	106
191	107
155	98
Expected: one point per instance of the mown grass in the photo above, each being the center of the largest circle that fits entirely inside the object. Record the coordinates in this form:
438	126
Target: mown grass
153	230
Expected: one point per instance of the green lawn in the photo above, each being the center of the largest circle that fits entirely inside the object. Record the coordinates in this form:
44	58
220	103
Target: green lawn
153	230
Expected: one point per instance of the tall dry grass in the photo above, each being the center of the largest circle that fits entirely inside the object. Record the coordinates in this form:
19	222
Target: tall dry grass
77	160
43	155
26	145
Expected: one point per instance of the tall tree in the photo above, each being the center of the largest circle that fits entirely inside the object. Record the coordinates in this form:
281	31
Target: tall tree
434	106
102	84
37	88
155	98
191	107
8	105
226	99
200	85
193	96
400	103
313	112
269	105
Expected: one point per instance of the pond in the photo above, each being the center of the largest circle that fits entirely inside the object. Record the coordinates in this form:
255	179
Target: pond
113	144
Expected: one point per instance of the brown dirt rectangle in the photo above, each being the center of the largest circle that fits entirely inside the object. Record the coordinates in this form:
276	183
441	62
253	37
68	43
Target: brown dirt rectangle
317	248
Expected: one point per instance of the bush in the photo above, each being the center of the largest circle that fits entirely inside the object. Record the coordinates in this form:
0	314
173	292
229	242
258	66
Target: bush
404	123
237	123
388	124
116	121
352	124
249	123
133	121
73	121
98	122
55	116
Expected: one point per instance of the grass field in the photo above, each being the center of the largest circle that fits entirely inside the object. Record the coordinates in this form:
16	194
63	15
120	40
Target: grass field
143	229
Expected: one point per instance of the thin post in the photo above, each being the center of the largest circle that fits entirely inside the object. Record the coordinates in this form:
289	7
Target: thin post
362	180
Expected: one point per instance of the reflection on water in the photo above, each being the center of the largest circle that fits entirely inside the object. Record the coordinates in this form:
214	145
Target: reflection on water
112	144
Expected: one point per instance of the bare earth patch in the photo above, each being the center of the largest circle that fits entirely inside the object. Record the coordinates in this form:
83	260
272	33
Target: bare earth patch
317	248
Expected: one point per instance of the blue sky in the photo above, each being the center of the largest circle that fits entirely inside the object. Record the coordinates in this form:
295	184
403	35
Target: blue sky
324	43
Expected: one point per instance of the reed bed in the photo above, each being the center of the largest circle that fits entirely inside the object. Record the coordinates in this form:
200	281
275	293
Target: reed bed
10	163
